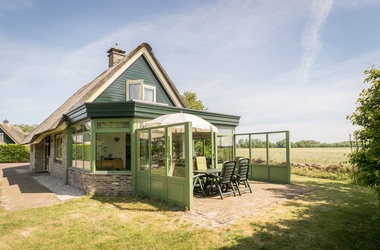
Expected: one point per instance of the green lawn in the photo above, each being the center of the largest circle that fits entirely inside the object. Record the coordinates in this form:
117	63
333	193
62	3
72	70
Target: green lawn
337	215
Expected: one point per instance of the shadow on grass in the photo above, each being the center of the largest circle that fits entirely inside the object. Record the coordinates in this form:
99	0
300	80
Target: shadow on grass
136	203
339	216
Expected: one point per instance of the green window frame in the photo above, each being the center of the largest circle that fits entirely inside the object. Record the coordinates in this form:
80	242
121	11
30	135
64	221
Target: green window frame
112	126
143	93
80	148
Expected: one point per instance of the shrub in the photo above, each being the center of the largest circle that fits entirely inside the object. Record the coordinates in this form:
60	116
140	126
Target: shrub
14	153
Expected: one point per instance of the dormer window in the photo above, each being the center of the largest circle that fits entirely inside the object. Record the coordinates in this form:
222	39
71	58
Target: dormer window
137	90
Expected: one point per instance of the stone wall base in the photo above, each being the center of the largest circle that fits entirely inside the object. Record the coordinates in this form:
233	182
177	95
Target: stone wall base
106	184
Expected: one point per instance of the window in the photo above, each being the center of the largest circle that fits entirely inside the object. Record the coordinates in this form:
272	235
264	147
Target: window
137	90
105	125
113	151
58	147
81	146
1	136
149	93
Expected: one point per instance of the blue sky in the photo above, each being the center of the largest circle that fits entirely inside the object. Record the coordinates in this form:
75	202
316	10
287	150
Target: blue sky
281	65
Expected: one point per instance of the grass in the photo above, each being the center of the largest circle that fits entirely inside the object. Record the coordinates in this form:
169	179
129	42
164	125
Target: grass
337	215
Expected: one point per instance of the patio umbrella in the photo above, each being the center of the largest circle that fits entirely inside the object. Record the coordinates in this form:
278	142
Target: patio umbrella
199	125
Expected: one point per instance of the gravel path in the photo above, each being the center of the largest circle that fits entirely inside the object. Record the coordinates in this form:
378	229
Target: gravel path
64	192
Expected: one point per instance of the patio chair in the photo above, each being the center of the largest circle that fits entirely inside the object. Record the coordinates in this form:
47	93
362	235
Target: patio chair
201	162
199	179
242	176
225	180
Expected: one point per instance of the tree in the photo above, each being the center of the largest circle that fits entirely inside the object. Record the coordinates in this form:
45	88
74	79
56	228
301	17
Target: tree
192	101
366	157
26	127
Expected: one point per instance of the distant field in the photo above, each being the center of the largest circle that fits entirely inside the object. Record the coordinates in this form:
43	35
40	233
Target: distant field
324	156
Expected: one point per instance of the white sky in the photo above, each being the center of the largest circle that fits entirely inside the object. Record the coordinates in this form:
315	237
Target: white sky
280	65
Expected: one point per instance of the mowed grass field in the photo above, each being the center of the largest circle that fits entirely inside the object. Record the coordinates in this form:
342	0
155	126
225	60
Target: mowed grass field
323	156
338	215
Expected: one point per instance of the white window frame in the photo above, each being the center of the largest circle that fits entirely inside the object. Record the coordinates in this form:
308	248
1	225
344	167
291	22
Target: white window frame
1	136
142	89
150	87
141	82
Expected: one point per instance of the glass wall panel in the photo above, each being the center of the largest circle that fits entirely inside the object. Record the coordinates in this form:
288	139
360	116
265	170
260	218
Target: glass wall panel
143	150
258	149
158	151
224	148
277	149
176	151
110	151
87	127
242	146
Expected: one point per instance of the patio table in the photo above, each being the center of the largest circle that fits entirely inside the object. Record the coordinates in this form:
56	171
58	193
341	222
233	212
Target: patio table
207	172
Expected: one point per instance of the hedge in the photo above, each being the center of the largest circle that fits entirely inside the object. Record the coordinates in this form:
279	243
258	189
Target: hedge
14	153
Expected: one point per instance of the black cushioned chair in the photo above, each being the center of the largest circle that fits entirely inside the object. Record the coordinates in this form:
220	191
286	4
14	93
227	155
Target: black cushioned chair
225	180
242	176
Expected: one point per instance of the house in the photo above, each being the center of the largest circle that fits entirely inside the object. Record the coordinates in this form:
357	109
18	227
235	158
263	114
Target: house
11	134
97	140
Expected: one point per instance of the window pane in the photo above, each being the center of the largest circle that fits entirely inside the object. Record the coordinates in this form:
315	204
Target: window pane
73	151
102	125
158	151
110	151
58	147
78	129
176	152
79	151
148	95
226	131
225	148
87	127
86	151
143	150
134	91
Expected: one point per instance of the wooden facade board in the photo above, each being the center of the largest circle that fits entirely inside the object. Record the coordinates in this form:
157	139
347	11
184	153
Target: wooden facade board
139	70
142	110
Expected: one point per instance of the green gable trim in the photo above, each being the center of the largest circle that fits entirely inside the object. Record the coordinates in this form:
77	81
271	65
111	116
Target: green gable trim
7	139
140	69
142	110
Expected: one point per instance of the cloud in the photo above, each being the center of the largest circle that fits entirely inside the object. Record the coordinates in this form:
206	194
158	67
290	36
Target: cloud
310	42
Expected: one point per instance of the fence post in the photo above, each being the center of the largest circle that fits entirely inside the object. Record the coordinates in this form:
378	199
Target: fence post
189	165
288	163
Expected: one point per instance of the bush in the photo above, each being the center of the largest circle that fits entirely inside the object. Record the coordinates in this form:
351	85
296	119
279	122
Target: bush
14	153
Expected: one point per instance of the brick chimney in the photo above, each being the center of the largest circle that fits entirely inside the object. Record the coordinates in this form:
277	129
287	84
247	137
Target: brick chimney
115	55
6	122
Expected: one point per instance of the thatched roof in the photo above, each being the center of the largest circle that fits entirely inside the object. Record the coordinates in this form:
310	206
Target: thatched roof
15	133
83	94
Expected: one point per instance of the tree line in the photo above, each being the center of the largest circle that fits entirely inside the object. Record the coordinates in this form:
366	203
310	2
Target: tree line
257	143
